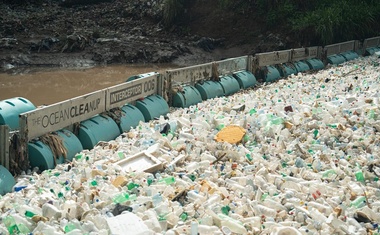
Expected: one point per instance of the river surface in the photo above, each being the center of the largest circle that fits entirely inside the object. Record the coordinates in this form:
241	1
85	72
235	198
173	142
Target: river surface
50	86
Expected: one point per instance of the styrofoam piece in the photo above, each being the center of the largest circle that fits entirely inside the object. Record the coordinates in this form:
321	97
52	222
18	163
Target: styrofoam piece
128	222
141	162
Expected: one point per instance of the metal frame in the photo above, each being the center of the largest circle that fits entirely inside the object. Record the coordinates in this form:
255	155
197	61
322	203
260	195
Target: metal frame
4	146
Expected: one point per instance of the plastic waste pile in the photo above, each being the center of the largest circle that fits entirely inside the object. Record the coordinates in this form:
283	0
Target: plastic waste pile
308	163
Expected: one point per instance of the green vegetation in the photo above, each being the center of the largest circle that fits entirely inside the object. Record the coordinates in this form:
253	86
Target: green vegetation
319	21
172	10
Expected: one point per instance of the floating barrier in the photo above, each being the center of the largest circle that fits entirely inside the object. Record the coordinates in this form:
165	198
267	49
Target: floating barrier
152	107
6	181
349	55
230	85
187	97
10	109
372	50
71	144
301	66
98	128
210	89
286	69
336	59
269	73
245	79
315	64
131	117
41	155
144	75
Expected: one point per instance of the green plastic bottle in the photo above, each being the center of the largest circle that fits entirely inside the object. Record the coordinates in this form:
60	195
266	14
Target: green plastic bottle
168	180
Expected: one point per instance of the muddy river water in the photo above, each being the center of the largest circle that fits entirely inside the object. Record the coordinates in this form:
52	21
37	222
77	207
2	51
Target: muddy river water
49	86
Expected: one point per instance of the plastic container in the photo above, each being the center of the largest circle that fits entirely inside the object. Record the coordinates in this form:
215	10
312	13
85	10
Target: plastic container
245	79
6	181
131	117
349	55
336	59
286	69
230	85
152	107
301	66
10	109
315	64
187	97
210	89
95	129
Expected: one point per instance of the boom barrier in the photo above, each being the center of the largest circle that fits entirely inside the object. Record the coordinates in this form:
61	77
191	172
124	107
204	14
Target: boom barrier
197	82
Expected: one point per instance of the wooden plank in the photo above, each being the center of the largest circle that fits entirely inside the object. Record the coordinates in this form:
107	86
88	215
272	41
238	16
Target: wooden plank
371	42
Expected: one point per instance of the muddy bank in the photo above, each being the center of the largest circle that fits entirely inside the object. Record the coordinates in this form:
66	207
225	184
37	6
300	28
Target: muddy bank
50	33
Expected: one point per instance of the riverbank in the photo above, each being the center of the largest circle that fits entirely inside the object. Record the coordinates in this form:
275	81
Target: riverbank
51	34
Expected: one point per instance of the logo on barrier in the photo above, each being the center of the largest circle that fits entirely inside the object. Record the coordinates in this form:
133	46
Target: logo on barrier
65	114
126	93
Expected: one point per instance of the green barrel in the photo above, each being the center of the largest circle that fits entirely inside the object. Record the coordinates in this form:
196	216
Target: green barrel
152	107
315	64
349	55
7	181
10	109
336	59
97	128
71	144
269	73
130	117
286	69
301	66
187	97
230	85
41	156
144	75
245	79
210	89
371	50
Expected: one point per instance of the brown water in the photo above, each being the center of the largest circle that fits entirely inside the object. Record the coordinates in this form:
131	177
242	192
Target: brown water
55	85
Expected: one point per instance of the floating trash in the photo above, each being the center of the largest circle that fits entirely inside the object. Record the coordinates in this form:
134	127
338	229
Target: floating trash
306	161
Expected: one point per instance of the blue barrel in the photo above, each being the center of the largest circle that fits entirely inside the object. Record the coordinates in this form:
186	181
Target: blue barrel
97	128
301	66
270	73
152	107
315	64
7	181
187	97
10	109
230	85
286	69
131	117
245	79
336	59
371	50
349	55
71	144
41	156
210	89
